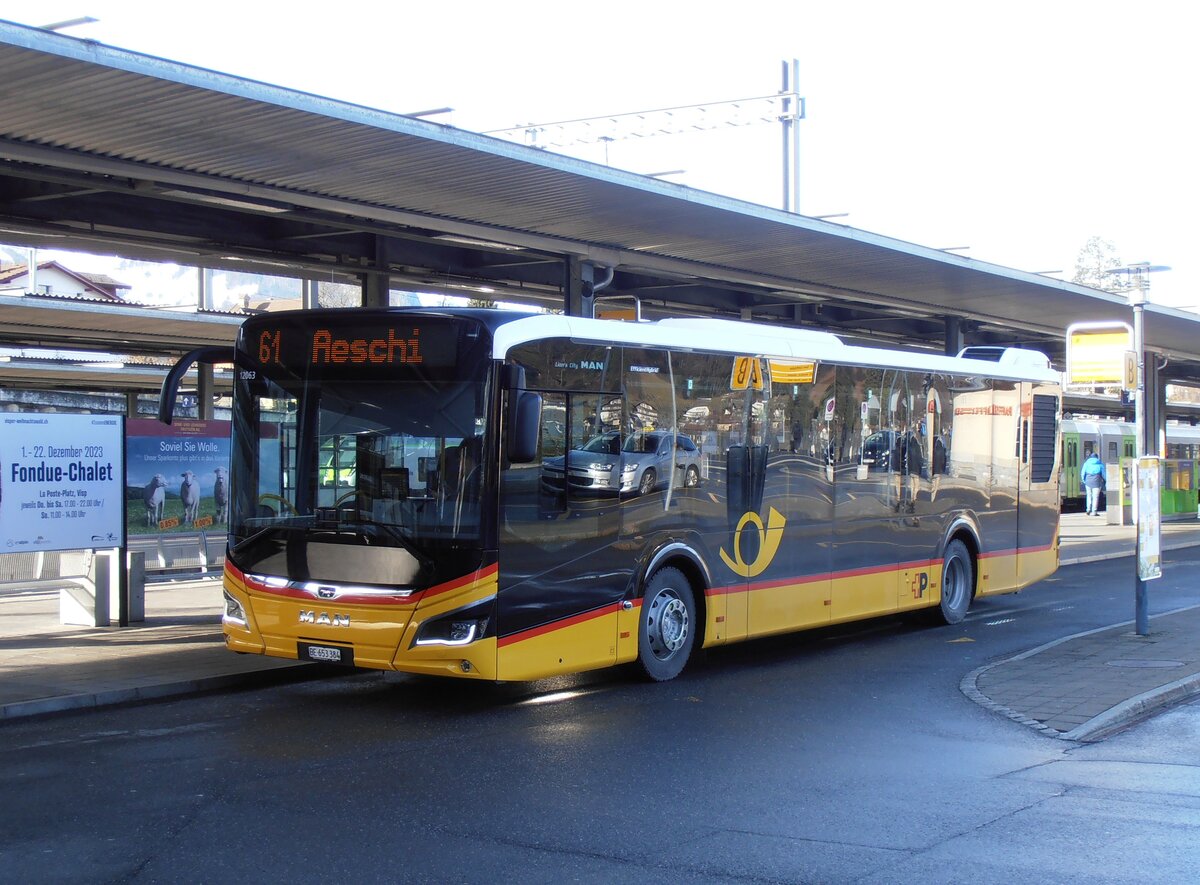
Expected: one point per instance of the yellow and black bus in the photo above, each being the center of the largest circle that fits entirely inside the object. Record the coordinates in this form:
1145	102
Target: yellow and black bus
513	495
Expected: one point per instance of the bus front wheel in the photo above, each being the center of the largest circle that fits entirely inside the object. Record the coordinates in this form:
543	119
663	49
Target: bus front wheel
667	627
958	584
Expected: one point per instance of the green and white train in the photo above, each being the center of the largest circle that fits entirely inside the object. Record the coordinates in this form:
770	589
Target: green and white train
1114	441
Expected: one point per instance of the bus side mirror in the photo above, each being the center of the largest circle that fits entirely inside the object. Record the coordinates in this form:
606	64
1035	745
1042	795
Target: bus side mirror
524	427
170	385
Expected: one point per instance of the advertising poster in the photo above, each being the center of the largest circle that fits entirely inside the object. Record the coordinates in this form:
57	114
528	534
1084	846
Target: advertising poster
176	477
1149	520
60	485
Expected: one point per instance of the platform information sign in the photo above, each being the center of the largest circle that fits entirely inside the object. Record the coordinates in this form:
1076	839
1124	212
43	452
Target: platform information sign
1097	355
61	482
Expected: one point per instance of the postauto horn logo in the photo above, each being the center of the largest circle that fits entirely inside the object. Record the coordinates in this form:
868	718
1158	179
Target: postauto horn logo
769	538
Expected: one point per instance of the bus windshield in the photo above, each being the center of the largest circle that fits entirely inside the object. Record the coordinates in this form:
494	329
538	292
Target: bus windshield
358	471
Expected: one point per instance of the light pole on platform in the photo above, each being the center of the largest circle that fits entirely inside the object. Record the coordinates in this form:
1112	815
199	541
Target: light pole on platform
1138	276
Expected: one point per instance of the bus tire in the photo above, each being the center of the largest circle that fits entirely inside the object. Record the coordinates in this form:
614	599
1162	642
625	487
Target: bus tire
958	584
666	625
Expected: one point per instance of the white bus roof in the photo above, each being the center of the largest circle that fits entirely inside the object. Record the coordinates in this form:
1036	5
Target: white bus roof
754	339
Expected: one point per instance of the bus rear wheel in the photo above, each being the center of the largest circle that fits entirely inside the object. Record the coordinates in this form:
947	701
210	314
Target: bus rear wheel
667	627
958	584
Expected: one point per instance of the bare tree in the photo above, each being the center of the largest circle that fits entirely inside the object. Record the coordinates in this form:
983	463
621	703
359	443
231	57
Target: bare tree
338	295
1096	257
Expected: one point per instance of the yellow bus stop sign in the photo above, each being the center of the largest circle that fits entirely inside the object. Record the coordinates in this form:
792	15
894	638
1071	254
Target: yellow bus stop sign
1096	353
747	372
793	372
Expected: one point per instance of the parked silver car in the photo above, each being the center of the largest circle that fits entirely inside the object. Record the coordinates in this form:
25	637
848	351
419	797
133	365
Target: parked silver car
643	463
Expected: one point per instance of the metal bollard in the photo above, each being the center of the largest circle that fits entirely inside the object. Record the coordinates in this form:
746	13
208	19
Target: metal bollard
137	586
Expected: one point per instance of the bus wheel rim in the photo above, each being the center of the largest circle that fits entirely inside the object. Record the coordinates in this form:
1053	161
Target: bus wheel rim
667	625
954	583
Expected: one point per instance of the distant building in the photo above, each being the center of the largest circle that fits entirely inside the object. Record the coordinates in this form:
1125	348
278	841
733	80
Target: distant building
55	279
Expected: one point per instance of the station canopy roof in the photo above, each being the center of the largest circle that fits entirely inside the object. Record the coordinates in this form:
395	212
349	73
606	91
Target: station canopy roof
106	150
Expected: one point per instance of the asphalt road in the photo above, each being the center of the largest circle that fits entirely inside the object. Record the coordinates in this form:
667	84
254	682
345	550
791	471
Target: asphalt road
843	755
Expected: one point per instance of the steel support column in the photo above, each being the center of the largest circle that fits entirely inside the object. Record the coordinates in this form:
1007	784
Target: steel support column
579	288
204	295
955	337
376	283
205	389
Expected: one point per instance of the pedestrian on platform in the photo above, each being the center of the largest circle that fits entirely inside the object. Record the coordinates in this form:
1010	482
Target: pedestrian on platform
1092	476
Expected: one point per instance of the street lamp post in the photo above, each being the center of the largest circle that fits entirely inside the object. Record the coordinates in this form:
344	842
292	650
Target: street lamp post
1138	276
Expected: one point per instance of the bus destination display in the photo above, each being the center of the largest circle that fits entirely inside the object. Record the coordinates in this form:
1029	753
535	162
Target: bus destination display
429	346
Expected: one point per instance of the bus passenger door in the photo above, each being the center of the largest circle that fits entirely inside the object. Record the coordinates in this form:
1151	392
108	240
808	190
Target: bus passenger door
560	584
871	497
789	546
1038	498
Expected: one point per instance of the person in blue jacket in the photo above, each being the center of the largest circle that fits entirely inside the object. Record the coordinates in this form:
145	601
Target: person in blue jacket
1092	476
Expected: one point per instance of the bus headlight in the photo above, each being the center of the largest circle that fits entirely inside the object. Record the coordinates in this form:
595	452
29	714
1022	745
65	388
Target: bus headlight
448	632
234	613
457	628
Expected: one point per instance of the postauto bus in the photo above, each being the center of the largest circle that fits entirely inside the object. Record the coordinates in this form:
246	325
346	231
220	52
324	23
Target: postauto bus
437	547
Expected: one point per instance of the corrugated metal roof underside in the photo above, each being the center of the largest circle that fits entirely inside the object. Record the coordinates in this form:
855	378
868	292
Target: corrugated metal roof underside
36	321
95	101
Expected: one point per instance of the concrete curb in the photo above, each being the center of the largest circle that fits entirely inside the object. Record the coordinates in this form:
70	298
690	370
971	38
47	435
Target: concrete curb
1102	557
140	694
1135	708
1122	714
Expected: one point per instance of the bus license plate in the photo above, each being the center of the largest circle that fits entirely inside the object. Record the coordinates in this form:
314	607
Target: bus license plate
325	654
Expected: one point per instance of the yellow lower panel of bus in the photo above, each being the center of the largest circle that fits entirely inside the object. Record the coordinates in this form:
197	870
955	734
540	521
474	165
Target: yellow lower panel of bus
1036	564
1010	571
716	611
584	642
997	573
372	633
474	661
779	607
378	636
276	625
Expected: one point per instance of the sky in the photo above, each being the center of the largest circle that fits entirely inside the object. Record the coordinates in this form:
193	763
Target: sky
1018	130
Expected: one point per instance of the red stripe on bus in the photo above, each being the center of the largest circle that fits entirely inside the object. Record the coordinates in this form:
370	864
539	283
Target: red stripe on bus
800	580
486	573
1014	551
557	625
